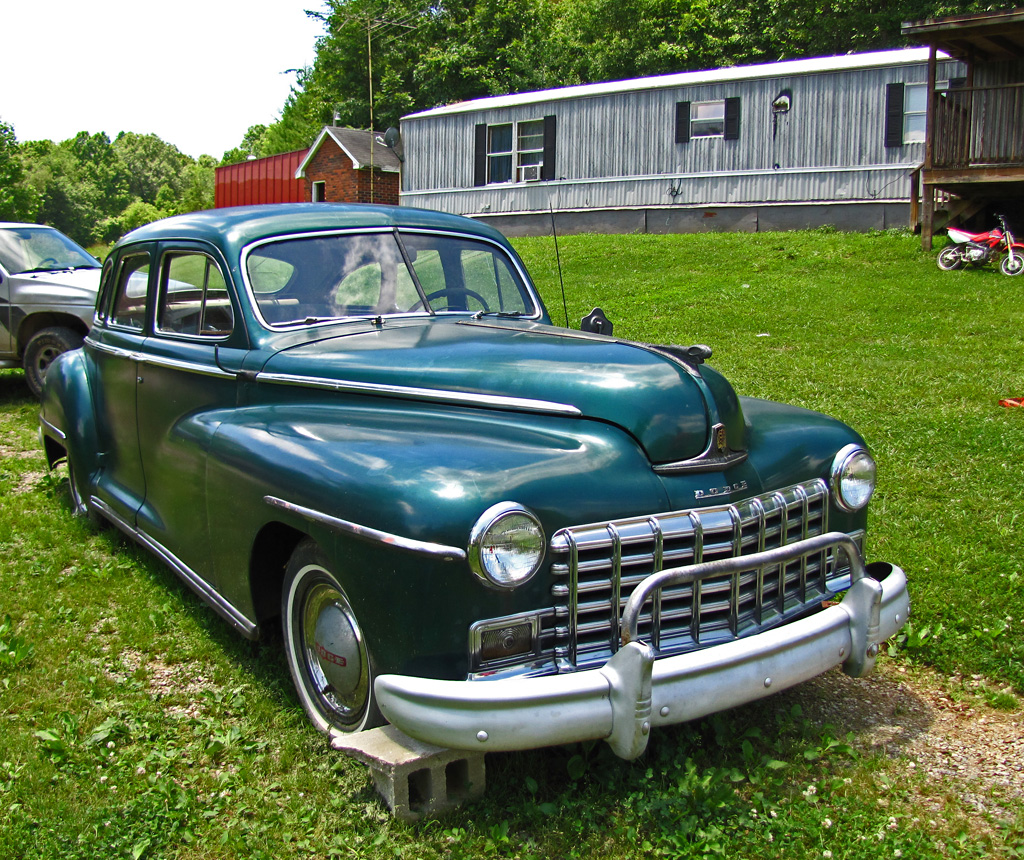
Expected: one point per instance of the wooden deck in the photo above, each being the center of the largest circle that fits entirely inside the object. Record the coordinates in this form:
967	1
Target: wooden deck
974	146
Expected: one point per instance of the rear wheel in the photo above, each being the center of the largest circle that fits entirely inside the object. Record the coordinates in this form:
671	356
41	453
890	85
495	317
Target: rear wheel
1012	265
42	349
950	259
327	653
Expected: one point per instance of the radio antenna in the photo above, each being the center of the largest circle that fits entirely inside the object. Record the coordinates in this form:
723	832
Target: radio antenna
558	260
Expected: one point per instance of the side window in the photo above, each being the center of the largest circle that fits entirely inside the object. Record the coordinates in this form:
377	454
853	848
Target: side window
129	308
193	297
106	281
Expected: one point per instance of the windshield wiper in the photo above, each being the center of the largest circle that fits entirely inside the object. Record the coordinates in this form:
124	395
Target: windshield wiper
502	314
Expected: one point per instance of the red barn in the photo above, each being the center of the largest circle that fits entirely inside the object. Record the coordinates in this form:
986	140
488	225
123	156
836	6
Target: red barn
261	180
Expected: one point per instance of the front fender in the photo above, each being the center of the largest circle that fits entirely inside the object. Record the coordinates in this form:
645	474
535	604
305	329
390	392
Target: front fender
425	474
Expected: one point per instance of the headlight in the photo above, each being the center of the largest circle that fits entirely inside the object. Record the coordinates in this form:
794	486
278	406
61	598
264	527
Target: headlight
506	546
853	478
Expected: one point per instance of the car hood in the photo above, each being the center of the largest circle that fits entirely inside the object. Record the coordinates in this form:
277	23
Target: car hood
59	287
663	402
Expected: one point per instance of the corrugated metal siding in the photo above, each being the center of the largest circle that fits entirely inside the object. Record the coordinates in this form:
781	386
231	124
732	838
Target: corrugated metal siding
262	180
619	150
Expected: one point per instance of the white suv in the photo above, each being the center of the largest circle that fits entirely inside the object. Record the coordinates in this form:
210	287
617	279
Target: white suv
48	287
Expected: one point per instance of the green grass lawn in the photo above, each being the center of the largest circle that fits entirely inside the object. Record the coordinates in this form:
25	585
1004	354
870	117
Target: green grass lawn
134	723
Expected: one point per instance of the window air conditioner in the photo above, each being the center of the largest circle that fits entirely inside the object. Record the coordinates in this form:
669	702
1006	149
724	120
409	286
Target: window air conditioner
529	172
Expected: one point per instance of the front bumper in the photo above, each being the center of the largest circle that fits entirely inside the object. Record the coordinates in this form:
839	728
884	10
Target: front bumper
633	691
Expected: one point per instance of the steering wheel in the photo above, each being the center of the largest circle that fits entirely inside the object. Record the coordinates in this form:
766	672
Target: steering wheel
48	260
454	291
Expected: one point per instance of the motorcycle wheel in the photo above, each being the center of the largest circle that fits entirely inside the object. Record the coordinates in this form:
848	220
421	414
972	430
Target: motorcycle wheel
1012	265
950	259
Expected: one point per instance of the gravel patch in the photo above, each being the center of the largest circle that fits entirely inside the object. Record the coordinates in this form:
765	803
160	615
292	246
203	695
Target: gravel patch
935	726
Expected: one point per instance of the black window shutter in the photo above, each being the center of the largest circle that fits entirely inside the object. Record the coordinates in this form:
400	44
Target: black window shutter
547	171
480	156
732	119
682	122
894	115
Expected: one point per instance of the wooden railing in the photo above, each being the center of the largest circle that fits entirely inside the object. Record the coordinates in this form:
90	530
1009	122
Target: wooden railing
978	127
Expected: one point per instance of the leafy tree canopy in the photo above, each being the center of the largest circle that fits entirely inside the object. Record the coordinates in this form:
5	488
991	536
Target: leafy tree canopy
94	189
425	53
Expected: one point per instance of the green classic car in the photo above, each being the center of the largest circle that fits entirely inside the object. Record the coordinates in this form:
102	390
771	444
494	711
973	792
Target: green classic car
491	531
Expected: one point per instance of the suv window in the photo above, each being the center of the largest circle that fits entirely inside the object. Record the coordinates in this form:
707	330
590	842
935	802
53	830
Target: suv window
193	297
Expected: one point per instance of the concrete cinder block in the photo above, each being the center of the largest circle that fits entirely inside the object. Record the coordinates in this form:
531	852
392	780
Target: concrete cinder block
416	780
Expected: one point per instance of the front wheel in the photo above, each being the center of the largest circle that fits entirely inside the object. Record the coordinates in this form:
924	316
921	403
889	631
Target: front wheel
950	259
327	653
1012	265
42	349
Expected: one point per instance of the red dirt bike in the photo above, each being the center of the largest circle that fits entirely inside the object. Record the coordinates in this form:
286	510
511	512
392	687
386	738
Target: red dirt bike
977	249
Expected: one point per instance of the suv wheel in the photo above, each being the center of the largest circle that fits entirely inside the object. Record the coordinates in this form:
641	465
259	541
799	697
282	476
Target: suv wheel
44	347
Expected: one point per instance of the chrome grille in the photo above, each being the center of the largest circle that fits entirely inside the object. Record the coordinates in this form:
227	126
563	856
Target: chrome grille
597	567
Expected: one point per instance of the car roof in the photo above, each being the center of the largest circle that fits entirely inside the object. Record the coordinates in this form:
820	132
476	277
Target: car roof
233	228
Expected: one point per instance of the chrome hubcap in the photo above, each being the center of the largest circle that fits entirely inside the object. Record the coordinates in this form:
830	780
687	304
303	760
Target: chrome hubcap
335	653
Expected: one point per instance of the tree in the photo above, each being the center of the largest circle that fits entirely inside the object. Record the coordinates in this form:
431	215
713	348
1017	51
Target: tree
149	163
18	201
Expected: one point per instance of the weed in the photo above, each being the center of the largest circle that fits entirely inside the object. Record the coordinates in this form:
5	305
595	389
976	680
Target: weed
14	649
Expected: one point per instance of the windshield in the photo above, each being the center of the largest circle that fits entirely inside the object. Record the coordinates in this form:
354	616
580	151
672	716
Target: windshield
41	249
308	279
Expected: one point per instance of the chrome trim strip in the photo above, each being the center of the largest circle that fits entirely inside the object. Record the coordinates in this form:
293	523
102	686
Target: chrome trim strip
161	361
115	351
465	398
199	585
435	550
56	431
632	692
187	366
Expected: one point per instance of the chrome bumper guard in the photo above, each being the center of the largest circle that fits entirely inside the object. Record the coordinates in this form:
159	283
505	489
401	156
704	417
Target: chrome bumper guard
633	691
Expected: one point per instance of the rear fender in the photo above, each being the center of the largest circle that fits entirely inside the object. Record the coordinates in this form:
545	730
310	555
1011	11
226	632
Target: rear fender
67	415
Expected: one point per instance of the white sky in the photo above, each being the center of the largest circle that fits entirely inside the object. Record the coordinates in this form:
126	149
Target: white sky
197	73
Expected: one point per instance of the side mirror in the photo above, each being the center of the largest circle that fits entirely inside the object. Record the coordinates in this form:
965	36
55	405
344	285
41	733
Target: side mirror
596	322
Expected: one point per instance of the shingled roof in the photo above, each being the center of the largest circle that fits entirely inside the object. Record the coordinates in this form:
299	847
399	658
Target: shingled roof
365	148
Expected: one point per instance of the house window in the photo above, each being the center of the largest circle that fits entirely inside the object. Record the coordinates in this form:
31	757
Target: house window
906	112
522	151
319	192
720	118
915	106
499	153
529	150
707	119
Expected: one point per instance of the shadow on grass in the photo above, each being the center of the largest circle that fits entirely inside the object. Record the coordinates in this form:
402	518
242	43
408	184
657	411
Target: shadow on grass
13	390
